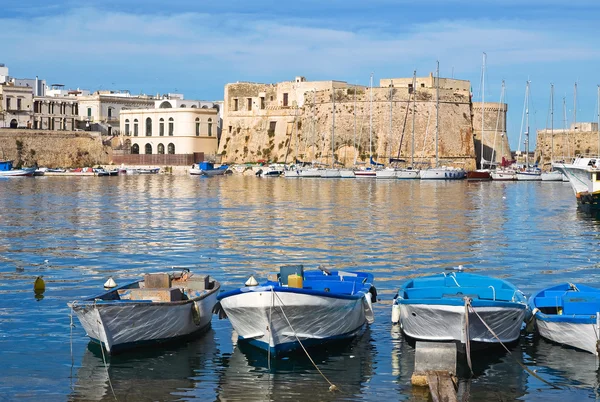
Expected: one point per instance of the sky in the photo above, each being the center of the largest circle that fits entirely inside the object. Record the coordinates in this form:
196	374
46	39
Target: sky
196	47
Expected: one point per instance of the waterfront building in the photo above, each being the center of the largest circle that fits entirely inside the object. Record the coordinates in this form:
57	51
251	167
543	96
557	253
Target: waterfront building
100	111
294	120
172	126
16	106
55	113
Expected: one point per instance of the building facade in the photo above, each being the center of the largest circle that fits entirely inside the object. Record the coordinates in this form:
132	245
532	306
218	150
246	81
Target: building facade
54	113
170	128
17	106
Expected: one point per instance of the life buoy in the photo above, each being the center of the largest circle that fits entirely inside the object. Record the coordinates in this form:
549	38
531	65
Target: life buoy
196	313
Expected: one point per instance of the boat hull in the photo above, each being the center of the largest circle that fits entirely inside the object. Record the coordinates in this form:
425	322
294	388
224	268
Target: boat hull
257	318
442	174
529	176
504	175
120	326
405	174
580	336
387	174
365	174
17	172
347	173
479	175
331	174
431	322
552	176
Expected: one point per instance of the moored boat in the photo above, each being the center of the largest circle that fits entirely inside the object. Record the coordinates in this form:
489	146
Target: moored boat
297	306
208	169
568	314
583	174
6	170
442	173
553	175
438	308
160	308
479	174
504	174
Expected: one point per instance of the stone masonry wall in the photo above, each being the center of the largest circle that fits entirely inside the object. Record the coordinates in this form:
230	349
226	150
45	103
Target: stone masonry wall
567	144
53	148
284	133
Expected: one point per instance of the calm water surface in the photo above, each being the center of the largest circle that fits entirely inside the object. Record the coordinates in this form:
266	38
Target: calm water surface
78	231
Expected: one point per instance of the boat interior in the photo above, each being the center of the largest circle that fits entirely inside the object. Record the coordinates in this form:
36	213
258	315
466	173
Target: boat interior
339	282
458	286
163	287
568	302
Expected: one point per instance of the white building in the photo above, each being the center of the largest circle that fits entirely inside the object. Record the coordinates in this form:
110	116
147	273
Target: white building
173	126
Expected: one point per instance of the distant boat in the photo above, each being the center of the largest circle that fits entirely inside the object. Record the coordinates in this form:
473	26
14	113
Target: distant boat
6	170
481	173
208	169
142	170
528	173
552	175
297	306
568	314
504	174
158	309
273	170
433	308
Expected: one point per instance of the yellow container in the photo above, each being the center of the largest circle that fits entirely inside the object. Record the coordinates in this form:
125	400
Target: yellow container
295	281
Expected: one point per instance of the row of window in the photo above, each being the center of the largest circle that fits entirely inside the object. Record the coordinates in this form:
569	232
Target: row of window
62	108
161	127
9	105
160	149
236	104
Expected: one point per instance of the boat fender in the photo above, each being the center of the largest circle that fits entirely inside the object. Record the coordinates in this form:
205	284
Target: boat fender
373	292
196	313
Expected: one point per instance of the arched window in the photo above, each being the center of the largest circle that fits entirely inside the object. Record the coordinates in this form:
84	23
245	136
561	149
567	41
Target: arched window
209	127
135	127
197	126
182	106
160	149
161	127
135	149
148	126
171	126
171	149
148	149
165	105
126	126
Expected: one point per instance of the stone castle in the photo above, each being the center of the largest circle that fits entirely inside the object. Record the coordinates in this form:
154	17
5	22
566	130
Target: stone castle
295	120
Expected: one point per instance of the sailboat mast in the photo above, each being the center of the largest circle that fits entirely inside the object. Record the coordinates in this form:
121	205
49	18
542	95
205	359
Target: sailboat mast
575	104
371	119
565	126
412	145
355	149
390	132
482	107
598	117
551	124
333	127
527	127
437	111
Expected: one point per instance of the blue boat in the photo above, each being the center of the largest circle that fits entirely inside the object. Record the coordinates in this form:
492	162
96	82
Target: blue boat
296	307
208	169
568	314
456	306
6	170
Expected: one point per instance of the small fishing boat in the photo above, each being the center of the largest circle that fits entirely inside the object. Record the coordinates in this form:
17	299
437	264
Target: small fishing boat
273	170
6	170
568	314
297	307
454	306
207	169
158	309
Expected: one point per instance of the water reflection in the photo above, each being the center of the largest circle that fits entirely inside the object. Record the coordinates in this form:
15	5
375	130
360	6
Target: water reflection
248	376
160	374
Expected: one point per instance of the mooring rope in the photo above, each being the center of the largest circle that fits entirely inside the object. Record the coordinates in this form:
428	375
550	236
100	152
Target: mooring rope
332	387
467	334
102	349
468	304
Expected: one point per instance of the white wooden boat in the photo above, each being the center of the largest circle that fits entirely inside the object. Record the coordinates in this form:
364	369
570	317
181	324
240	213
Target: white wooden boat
315	308
568	314
442	173
433	308
160	308
504	175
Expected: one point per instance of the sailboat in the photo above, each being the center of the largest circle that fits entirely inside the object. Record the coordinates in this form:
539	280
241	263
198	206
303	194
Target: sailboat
332	172
552	175
440	172
481	173
505	172
528	173
394	172
370	171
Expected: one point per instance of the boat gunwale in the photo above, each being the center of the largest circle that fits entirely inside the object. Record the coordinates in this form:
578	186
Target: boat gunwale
561	318
309	292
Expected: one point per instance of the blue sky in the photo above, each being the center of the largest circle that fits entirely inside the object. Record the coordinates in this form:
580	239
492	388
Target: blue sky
197	47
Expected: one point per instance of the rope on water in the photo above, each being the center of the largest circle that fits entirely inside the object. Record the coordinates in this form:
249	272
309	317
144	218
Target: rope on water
508	350
332	387
102	349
